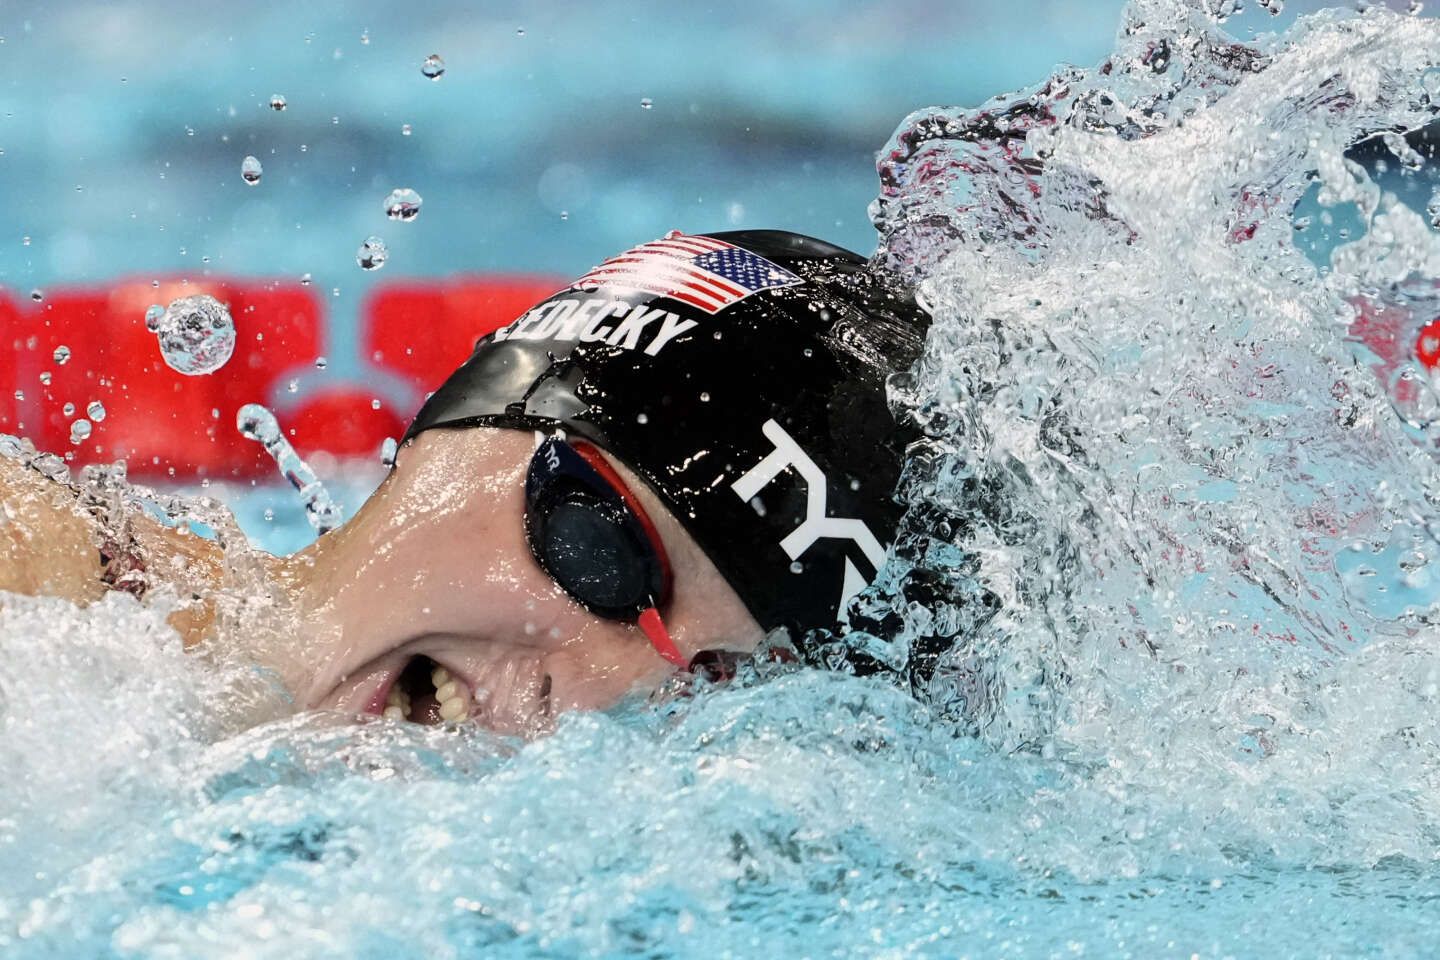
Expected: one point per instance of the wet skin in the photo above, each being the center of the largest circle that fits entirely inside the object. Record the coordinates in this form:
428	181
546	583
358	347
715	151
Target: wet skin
436	564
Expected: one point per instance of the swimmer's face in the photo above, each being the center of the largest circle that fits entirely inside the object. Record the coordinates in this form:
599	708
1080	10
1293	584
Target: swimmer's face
434	571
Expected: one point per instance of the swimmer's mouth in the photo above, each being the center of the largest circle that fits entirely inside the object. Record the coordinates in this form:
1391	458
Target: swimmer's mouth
428	693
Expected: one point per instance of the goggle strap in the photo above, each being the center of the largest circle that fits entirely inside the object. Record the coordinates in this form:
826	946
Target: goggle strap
654	628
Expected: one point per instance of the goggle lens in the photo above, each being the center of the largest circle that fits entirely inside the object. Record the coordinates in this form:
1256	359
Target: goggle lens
590	534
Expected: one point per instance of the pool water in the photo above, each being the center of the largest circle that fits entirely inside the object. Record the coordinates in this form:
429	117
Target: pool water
1174	520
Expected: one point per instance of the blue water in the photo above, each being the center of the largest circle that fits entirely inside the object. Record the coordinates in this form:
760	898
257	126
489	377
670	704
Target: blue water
1194	719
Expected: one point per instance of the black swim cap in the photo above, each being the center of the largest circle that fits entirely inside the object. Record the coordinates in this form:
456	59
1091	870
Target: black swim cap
742	375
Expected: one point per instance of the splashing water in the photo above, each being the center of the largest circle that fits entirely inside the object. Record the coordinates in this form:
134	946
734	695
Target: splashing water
1166	561
196	334
1168	524
257	423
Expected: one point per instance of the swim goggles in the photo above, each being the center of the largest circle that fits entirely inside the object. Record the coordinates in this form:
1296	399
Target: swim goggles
592	536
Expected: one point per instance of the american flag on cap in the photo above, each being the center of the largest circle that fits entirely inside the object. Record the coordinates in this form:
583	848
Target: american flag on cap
703	272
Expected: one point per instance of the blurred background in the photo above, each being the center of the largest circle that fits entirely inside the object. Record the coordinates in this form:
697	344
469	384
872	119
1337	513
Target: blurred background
558	134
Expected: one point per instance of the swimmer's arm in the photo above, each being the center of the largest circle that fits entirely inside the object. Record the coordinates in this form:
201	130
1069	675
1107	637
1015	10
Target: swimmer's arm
47	542
49	546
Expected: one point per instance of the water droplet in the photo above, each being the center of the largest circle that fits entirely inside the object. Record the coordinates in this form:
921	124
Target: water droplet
797	567
642	419
293	386
68	409
19	394
79	430
321	363
403	204
277	102
1416	6
405	129
250	170
62	354
45	378
704	397
374	404
196	334
304	279
372	254
564	214
520	32
37	295
433	67
1432	209
269	514
257	423
95	410
153	315
388	449
646	103
365	38
25	241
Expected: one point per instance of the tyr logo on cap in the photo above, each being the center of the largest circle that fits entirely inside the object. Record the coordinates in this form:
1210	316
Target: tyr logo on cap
816	525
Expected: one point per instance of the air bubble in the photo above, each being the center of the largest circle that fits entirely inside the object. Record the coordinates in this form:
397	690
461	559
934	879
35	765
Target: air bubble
374	404
388	449
372	254
277	102
646	103
68	410
433	67
79	431
62	355
45	378
1432	209
250	170
37	295
153	314
321	363
305	279
196	334
405	129
403	204
642	419
95	410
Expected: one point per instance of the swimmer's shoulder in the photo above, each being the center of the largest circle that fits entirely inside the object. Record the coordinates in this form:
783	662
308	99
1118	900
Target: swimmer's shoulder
47	540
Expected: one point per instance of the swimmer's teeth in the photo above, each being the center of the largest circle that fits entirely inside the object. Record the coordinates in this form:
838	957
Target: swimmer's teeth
397	703
450	695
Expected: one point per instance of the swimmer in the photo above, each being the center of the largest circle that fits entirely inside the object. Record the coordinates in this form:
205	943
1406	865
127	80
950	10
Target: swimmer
649	471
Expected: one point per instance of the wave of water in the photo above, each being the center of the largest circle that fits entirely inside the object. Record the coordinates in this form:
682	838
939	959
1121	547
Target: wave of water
1165	593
